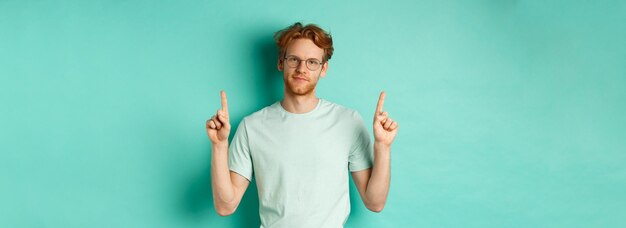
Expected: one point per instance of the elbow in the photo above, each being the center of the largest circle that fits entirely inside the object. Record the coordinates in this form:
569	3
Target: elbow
376	208
224	211
224	208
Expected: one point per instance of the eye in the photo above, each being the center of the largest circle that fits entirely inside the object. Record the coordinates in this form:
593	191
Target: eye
292	59
313	62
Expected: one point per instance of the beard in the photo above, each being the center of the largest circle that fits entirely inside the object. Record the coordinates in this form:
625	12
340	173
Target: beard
300	88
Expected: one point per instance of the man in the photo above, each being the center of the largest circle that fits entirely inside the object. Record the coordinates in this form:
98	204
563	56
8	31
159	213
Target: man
301	149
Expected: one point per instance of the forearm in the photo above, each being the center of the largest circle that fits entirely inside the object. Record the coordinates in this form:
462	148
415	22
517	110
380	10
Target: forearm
221	184
378	185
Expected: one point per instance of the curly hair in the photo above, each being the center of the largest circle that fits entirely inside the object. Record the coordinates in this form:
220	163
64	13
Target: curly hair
320	38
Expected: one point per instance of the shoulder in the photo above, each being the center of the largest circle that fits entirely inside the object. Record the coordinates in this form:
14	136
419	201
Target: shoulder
341	111
261	114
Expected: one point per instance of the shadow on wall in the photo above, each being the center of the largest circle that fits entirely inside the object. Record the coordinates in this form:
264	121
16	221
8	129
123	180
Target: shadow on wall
264	62
198	199
199	203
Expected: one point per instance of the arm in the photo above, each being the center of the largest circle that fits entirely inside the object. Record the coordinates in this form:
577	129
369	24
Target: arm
373	184
228	187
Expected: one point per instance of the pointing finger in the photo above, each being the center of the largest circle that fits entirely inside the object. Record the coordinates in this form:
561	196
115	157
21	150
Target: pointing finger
224	102
381	102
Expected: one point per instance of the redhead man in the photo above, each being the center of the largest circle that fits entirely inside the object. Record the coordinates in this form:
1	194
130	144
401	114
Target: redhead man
301	149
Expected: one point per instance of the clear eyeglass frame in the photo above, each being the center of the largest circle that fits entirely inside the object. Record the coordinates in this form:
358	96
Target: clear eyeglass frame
312	64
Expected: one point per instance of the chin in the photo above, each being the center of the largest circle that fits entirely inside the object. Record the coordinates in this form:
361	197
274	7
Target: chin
301	90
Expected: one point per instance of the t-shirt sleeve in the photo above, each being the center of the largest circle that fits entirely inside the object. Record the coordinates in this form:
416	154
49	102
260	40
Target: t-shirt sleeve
361	153
239	159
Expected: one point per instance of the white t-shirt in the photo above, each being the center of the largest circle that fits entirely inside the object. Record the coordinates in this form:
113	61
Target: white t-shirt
301	162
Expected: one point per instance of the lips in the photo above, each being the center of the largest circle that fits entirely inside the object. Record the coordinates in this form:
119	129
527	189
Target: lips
300	78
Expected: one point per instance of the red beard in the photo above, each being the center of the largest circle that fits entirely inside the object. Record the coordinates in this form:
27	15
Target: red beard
300	87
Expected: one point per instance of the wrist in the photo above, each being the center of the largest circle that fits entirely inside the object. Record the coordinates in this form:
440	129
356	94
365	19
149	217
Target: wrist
221	146
381	146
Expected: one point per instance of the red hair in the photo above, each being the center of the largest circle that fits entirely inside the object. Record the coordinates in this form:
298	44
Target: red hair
320	38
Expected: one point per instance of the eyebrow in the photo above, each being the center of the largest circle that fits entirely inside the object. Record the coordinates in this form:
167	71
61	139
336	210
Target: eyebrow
302	58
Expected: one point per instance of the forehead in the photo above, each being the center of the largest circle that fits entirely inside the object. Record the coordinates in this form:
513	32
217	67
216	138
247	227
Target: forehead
305	49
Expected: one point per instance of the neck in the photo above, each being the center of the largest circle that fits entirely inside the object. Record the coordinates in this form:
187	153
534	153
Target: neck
299	104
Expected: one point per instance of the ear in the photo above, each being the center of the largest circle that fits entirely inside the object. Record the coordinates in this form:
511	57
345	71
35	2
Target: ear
280	65
324	69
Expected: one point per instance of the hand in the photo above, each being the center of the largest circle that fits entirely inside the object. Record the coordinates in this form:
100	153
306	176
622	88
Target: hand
218	127
385	129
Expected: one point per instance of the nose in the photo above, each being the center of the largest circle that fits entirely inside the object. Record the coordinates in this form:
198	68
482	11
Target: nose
301	66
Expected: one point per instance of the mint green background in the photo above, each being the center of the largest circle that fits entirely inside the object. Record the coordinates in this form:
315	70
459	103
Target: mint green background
512	113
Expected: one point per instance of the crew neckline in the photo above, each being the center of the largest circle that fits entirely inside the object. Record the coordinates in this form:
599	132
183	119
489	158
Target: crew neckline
283	110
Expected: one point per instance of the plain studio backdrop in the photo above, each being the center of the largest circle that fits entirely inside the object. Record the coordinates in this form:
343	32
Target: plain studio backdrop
512	113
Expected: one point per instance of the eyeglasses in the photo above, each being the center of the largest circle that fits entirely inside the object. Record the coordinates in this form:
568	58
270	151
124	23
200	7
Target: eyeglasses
312	64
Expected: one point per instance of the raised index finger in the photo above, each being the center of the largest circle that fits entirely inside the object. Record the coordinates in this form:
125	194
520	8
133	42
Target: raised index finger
224	102
381	102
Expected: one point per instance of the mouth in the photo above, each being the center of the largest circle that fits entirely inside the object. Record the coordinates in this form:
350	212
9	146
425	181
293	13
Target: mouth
300	78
